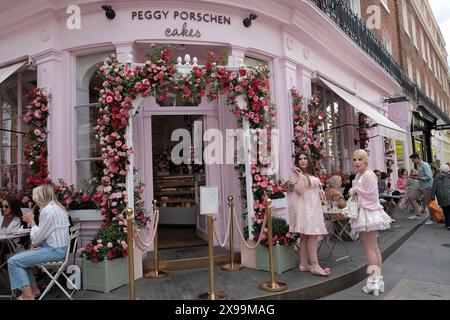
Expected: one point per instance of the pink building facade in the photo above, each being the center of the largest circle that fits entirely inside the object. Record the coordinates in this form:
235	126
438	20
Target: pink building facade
61	45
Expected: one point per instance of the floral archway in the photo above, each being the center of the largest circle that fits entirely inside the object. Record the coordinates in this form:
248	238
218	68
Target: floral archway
123	83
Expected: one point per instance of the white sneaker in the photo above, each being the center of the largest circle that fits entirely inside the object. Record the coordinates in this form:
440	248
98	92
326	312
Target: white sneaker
429	222
414	217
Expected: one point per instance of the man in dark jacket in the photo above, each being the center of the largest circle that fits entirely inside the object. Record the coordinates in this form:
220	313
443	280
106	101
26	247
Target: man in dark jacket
441	190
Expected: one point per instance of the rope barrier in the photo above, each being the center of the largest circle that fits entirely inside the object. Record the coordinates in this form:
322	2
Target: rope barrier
242	235
141	243
222	244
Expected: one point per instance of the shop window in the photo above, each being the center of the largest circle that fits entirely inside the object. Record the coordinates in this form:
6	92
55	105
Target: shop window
254	62
13	169
175	99
400	153
337	135
418	144
89	83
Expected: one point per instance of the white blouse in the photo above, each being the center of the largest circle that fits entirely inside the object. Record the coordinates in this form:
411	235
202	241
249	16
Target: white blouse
13	225
53	226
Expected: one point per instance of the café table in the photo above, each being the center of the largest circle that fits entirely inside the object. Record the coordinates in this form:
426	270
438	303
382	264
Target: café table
8	238
334	215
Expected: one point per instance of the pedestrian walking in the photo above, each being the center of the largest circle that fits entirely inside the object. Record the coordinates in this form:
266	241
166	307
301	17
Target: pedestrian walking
425	183
441	191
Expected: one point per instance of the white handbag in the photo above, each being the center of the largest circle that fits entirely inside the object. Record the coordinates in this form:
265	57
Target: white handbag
351	211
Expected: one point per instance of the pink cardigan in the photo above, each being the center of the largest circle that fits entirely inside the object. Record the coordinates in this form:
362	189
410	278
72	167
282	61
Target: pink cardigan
365	186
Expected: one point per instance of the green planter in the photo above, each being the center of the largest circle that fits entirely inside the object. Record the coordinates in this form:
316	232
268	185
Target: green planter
106	275
284	258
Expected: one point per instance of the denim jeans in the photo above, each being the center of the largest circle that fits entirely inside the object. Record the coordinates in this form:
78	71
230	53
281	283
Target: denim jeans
426	200
19	265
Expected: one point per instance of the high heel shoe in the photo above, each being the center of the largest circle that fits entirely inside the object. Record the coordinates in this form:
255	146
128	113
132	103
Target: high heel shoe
372	286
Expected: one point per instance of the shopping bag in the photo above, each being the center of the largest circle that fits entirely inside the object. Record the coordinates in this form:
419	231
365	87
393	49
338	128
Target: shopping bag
351	211
437	212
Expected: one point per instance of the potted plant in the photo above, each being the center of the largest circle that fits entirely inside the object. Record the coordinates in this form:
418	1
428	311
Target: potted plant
105	266
105	263
283	249
278	195
82	206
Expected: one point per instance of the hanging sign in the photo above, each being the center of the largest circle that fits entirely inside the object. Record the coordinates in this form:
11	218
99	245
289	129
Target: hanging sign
209	200
442	127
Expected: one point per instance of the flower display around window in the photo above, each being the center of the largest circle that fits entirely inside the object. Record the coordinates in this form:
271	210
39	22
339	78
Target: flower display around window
308	124
389	154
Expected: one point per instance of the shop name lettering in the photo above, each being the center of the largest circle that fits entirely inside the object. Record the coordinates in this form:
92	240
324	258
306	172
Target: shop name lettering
181	16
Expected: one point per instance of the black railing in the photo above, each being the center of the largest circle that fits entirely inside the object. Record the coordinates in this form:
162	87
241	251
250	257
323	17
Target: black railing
341	13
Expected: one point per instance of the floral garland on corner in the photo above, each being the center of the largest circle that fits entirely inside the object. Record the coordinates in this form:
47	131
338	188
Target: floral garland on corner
389	154
36	149
122	84
307	130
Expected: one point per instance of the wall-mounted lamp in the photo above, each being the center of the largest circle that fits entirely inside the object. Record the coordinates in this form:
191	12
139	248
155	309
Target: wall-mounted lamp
248	21
110	13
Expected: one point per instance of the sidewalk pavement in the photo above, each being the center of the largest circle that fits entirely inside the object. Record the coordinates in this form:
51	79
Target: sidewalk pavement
418	270
187	284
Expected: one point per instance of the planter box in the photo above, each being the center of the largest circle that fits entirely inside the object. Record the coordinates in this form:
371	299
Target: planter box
284	258
90	220
279	203
106	275
86	215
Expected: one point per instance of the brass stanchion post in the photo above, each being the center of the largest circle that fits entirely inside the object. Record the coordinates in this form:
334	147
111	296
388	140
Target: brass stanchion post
271	285
212	294
156	274
231	267
130	252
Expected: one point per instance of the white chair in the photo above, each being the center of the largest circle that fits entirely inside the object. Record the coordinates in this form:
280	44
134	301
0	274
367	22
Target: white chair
60	266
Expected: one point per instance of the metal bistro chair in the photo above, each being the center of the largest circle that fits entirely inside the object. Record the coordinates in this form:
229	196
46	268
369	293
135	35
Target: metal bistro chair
334	237
60	266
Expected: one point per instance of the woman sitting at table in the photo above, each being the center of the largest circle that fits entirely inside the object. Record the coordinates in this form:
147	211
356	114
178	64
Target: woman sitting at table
10	220
333	193
53	234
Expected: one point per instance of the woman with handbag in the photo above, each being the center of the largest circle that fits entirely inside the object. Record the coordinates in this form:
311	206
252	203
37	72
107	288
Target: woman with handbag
307	214
371	218
441	191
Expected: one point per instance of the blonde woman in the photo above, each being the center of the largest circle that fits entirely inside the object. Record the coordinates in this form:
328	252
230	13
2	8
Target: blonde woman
372	218
53	235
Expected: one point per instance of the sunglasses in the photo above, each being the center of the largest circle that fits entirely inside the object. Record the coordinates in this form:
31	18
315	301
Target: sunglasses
5	207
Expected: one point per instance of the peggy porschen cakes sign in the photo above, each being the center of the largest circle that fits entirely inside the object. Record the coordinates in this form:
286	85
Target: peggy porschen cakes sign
183	17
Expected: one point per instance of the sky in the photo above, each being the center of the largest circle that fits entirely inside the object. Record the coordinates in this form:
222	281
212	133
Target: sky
441	9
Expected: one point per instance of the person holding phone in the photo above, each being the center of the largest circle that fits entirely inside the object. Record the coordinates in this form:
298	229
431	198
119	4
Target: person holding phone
52	233
306	214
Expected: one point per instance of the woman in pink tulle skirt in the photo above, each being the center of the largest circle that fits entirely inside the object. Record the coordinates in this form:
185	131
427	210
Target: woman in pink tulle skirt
306	214
371	219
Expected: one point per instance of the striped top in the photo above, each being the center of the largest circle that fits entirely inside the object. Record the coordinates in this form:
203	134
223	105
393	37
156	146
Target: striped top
53	226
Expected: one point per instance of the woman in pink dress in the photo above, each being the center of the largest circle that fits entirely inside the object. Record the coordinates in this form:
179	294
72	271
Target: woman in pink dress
307	214
371	219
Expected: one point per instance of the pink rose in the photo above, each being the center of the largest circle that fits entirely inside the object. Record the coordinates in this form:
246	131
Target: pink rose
110	245
38	114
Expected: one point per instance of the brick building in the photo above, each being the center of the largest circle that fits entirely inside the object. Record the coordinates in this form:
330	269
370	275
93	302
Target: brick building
410	33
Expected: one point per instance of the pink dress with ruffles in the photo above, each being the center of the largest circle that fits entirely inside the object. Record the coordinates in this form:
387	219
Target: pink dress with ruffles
372	216
305	206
